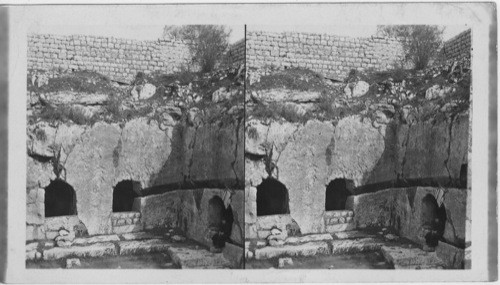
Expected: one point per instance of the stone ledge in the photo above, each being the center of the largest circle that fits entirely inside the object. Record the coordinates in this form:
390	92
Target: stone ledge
306	249
143	246
95	239
127	229
355	246
308	238
93	250
411	258
340	227
352	235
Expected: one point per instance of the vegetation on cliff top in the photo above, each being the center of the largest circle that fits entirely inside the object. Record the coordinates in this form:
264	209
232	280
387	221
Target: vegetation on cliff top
397	87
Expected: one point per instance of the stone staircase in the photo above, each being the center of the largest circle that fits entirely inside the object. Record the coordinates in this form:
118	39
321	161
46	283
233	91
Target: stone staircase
339	221
126	222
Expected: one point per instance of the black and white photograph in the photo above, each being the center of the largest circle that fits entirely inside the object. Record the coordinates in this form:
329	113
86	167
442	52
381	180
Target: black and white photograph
224	143
134	147
357	147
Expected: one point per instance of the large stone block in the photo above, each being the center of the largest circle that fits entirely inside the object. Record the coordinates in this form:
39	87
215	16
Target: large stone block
452	256
303	169
90	169
92	250
306	249
160	210
142	152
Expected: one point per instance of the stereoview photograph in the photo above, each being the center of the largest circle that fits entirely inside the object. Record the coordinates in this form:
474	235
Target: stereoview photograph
357	147
135	147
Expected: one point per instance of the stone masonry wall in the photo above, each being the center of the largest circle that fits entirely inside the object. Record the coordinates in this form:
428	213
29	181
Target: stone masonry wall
236	54
329	55
120	59
334	56
458	46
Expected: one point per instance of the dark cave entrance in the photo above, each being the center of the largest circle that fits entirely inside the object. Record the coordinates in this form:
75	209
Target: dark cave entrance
60	199
124	194
220	221
336	194
272	198
433	220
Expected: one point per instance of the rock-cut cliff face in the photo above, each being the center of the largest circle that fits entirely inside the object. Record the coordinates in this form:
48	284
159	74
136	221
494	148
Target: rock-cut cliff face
93	159
307	157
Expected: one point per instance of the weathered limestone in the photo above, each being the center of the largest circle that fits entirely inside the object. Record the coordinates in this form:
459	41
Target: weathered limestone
143	246
52	225
95	155
308	238
92	250
158	210
344	246
188	209
137	150
453	257
301	167
306	249
188	258
308	157
95	239
401	208
141	151
282	95
411	258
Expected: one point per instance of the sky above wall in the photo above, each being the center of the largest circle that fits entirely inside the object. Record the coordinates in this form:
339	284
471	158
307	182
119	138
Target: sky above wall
154	32
348	31
137	32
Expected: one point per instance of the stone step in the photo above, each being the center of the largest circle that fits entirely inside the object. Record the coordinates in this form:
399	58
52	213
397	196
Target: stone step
345	246
197	258
352	235
129	247
308	238
304	249
411	258
128	228
91	250
95	239
140	236
340	227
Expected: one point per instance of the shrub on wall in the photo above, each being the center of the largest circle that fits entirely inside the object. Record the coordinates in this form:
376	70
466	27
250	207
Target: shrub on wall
420	42
208	42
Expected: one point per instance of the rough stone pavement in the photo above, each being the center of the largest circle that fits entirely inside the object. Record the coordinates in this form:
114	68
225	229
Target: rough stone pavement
185	254
401	254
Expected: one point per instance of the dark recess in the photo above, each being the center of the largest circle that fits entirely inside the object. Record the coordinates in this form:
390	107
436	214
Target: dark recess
433	219
60	199
124	195
272	198
336	195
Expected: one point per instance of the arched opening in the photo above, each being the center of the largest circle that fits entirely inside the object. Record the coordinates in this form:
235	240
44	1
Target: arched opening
272	198
433	220
60	199
220	221
124	194
336	194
